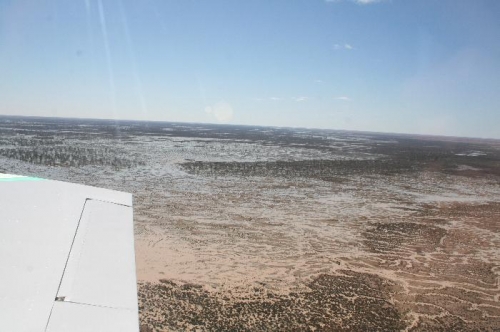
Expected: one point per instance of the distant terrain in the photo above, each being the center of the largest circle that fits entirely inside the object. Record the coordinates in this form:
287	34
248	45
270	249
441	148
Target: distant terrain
243	228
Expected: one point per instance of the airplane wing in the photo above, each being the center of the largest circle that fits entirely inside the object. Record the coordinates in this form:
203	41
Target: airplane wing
67	259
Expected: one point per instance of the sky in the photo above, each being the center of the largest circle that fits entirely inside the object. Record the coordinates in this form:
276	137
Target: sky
404	66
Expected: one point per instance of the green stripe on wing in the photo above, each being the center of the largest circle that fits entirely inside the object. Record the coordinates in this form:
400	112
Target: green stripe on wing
13	178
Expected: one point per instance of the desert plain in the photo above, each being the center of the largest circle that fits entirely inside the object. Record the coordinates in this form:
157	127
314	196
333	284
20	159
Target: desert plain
242	228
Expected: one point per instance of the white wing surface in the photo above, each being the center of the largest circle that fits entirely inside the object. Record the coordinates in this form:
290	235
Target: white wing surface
67	259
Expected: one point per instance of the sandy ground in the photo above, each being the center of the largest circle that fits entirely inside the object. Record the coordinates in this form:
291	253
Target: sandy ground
253	229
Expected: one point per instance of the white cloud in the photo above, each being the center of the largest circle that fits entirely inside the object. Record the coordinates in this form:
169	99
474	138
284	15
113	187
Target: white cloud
275	98
366	2
221	111
318	81
348	47
343	98
300	99
359	2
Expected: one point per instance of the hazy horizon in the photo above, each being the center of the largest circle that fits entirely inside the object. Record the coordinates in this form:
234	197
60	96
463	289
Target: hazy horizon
250	125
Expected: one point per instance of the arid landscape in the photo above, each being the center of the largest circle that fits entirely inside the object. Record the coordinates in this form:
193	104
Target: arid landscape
243	228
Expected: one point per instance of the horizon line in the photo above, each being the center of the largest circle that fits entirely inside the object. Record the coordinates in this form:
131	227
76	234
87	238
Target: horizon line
263	126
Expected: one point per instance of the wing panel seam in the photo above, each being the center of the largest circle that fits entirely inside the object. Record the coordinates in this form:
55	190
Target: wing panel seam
97	305
67	260
110	202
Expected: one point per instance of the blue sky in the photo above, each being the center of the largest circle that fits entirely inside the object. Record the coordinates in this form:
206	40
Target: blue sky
412	66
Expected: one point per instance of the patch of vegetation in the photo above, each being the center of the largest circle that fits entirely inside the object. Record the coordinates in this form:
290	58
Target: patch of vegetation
69	156
349	302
